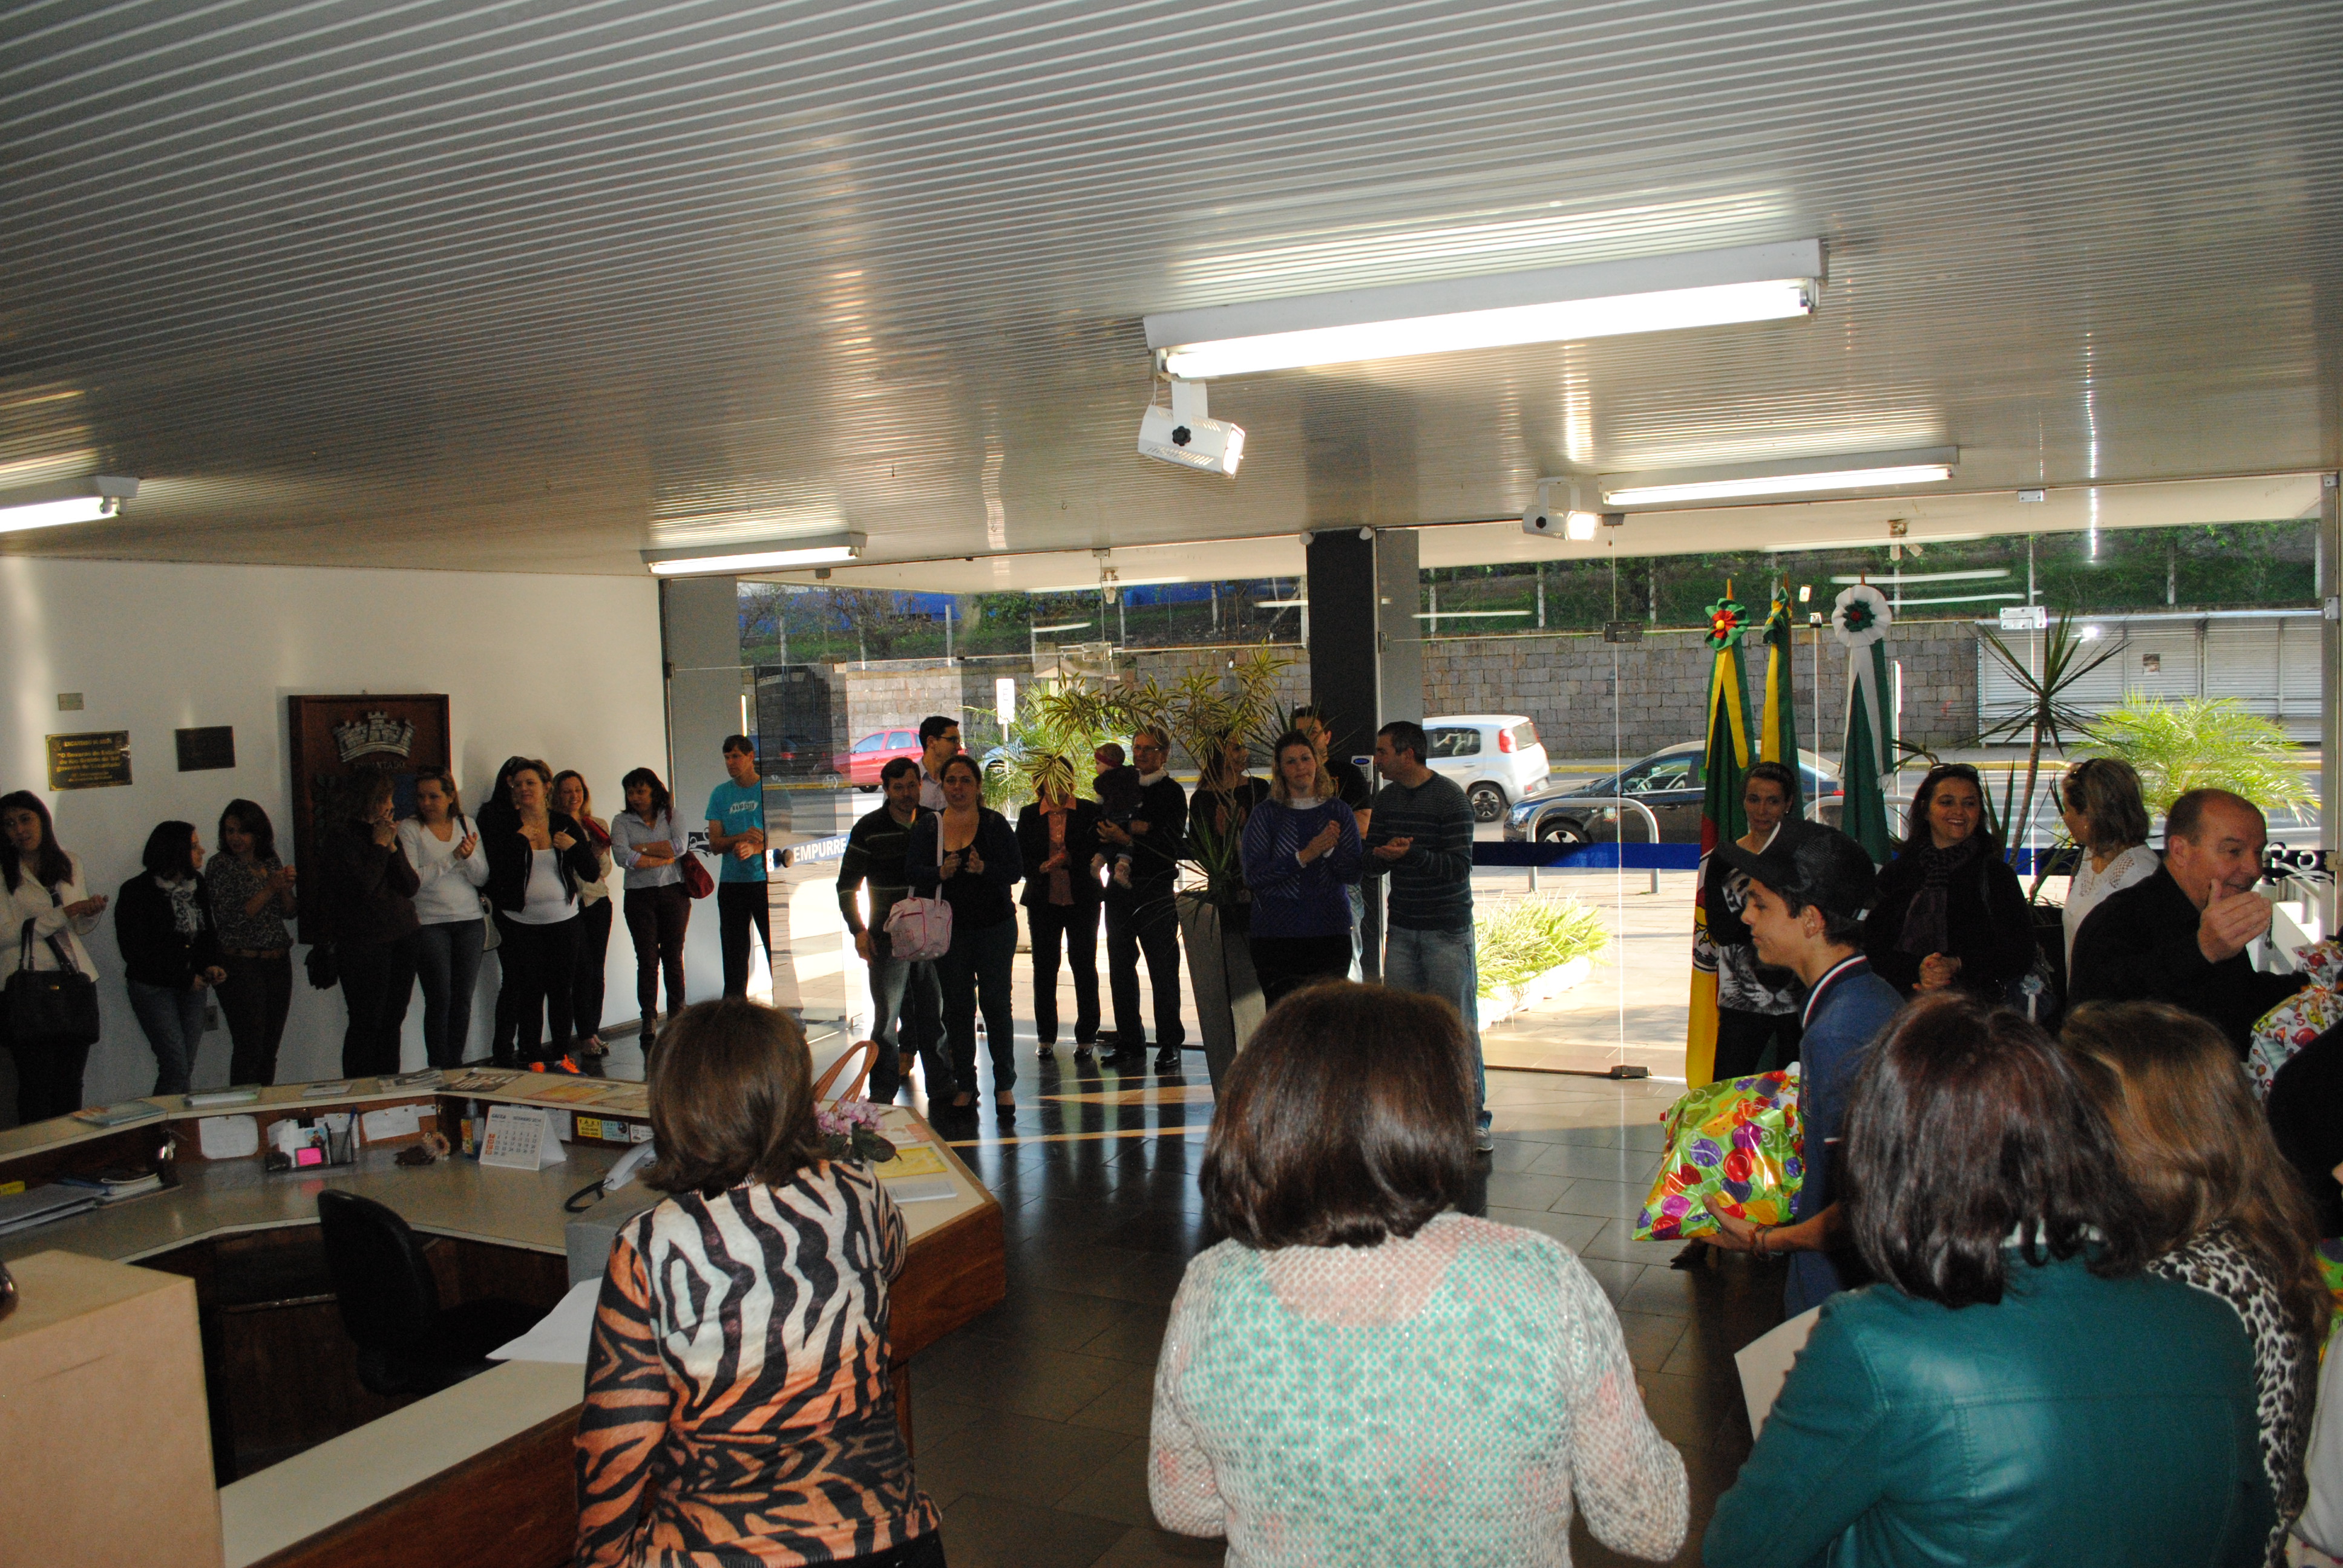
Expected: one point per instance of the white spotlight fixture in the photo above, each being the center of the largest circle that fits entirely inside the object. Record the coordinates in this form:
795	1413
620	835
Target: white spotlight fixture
1802	476
755	556
1544	305
75	501
1557	508
1188	435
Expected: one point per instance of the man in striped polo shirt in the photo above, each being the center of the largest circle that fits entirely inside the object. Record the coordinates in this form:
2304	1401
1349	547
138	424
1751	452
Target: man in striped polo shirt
1420	838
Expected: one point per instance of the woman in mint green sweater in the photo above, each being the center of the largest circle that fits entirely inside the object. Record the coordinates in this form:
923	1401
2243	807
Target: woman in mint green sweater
1361	1375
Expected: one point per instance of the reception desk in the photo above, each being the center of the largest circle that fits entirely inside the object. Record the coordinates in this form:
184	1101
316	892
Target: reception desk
478	1473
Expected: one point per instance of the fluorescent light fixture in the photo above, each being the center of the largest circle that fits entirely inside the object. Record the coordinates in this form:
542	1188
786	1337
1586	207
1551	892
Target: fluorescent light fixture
1279	603
1067	625
1186	434
1093	585
1798	546
1960	598
762	558
1498	311
1465	614
1983	574
1857	471
75	501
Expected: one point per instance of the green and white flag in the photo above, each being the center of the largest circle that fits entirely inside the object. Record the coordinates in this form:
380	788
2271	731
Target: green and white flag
1860	620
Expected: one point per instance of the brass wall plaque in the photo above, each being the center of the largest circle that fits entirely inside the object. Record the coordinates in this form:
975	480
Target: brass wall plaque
97	761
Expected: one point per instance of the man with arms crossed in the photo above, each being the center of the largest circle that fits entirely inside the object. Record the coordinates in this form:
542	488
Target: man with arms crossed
874	853
1808	893
1142	918
1420	838
2181	936
735	833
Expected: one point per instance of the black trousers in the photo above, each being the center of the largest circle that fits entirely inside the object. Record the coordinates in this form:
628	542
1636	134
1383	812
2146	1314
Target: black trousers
1742	1039
1076	926
537	961
586	977
1143	920
254	1000
657	918
1285	964
48	1078
378	980
2305	1117
742	908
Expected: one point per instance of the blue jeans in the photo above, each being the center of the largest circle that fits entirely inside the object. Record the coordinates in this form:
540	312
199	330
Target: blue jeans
893	980
978	966
447	962
1443	964
174	1022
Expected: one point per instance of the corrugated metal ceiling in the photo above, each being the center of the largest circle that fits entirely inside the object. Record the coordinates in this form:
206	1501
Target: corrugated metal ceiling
541	285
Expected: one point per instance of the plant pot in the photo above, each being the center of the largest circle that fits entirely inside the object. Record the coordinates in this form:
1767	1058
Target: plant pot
1228	994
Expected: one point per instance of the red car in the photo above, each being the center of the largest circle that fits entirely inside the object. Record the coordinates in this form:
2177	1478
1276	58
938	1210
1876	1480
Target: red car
861	765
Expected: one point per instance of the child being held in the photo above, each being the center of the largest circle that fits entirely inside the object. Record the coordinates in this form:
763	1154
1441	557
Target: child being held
1118	792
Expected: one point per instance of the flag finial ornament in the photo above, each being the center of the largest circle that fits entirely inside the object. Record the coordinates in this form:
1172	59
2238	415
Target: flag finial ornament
1728	617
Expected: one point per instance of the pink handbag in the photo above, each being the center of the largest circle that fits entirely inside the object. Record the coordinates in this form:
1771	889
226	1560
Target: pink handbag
920	929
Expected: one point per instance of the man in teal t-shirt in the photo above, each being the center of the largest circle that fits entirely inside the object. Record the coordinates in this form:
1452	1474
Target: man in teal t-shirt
736	833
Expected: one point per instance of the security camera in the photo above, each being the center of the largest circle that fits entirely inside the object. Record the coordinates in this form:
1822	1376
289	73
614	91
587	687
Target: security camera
1187	434
1555	509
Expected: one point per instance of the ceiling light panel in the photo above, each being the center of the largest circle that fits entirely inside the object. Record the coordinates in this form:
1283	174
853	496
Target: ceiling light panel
773	557
1805	476
1547	305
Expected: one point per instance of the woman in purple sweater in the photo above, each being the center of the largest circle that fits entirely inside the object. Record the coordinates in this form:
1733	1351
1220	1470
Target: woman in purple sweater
1300	850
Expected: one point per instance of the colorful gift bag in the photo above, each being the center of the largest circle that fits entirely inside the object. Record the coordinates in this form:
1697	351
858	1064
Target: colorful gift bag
2300	1018
1738	1141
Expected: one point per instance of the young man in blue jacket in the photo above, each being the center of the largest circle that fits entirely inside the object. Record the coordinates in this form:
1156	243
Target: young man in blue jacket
1808	893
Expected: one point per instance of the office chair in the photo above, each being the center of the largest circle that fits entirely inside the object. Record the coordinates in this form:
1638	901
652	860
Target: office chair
408	1343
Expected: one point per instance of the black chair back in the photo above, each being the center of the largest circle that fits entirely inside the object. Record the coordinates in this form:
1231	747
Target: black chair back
388	1297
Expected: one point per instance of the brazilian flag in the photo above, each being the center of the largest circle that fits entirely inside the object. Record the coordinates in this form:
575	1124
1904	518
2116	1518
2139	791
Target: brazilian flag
1725	767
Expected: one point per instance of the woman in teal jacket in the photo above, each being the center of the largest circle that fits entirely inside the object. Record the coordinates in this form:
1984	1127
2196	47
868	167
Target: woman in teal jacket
2016	1390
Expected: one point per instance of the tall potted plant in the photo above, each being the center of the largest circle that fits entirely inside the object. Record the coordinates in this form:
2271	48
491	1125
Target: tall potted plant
1200	711
2048	714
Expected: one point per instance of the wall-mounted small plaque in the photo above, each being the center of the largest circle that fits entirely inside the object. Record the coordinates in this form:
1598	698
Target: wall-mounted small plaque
68	702
1623	631
97	761
2151	664
203	749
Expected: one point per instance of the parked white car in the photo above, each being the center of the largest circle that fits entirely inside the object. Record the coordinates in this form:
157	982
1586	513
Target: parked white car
1494	757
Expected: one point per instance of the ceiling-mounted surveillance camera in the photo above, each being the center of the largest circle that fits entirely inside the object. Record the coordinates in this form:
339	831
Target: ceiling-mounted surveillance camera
1556	509
1185	433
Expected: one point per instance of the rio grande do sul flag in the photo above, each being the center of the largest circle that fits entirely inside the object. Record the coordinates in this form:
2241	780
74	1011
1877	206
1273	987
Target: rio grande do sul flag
1725	763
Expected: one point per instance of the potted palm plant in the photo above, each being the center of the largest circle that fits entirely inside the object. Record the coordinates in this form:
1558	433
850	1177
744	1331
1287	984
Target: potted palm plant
1201	712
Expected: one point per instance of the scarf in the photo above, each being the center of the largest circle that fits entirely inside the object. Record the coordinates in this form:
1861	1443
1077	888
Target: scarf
186	915
1927	924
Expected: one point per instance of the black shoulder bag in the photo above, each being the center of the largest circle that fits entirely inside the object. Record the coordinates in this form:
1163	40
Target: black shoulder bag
56	1005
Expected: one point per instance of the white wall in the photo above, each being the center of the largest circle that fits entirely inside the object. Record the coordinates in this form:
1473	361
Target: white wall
563	668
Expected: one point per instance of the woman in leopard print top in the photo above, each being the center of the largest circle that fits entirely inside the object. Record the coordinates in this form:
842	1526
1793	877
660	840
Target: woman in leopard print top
2227	1216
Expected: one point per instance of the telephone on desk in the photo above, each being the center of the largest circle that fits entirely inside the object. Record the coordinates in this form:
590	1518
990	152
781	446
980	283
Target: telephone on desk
621	1174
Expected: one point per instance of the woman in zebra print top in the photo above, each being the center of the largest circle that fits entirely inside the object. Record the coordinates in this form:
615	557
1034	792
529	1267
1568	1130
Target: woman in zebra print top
739	1413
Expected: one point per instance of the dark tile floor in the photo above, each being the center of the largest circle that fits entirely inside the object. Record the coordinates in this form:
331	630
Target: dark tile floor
1031	1424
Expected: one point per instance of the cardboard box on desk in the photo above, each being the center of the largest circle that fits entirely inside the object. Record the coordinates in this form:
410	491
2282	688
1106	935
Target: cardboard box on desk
104	1434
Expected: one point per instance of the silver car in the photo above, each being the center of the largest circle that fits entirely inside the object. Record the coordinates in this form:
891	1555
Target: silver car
1669	783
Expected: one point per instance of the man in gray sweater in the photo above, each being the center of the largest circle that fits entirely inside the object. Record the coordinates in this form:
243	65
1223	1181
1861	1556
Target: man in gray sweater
1421	837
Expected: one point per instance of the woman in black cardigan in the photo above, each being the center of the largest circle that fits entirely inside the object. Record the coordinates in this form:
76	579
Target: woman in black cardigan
1057	838
536	857
970	852
169	953
1950	915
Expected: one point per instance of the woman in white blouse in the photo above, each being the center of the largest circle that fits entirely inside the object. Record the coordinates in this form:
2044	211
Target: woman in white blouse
444	847
2106	814
648	843
41	883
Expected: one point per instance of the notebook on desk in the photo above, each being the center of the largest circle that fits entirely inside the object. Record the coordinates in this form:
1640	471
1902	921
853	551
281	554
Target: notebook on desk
23	1210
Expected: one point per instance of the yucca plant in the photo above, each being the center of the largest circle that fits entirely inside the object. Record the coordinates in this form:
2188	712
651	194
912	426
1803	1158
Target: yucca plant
2200	743
2050	713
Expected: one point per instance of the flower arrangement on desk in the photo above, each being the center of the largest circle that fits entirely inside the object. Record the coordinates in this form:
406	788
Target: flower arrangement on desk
850	1130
